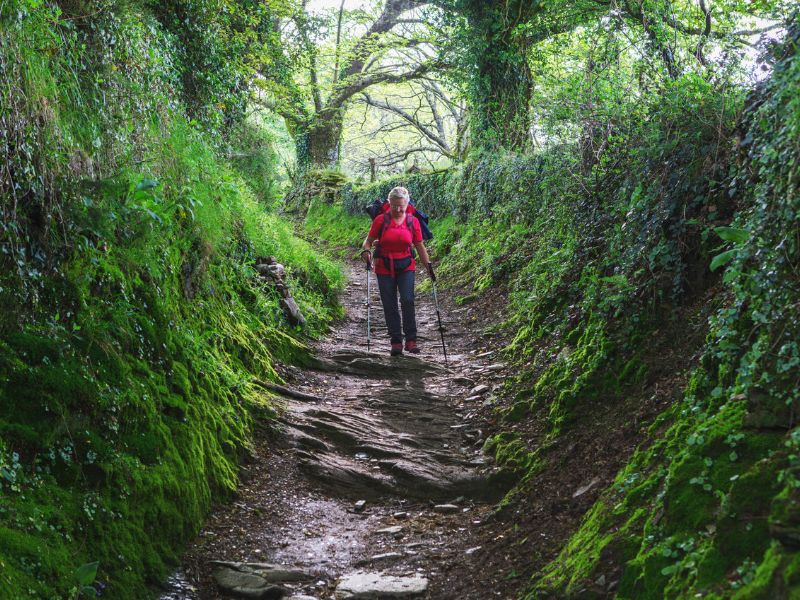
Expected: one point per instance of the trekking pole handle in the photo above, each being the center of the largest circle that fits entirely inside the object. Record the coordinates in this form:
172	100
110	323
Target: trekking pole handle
368	261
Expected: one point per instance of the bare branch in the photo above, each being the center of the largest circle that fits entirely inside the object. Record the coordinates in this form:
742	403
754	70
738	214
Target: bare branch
437	118
338	43
399	157
348	90
439	139
704	35
385	22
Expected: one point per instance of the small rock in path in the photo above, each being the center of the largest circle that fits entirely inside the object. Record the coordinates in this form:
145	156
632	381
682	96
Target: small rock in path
478	390
385	556
394	529
360	505
369	586
446	508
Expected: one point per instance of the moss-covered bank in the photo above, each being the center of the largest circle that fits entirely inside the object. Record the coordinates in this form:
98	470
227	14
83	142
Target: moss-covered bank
709	506
132	325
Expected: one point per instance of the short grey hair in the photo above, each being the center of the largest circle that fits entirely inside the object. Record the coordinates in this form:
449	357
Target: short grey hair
399	192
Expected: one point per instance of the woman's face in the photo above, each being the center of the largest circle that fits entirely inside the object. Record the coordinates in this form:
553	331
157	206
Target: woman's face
398	206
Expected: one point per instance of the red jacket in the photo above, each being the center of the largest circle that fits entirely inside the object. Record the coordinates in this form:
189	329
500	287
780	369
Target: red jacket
395	240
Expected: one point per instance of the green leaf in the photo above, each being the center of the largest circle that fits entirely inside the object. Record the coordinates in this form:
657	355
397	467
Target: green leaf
619	280
86	574
146	184
89	591
733	234
153	215
722	259
669	570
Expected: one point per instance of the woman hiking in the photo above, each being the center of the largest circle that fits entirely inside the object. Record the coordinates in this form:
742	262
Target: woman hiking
394	232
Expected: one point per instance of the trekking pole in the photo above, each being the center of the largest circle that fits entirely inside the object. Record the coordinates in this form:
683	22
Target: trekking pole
367	302
438	315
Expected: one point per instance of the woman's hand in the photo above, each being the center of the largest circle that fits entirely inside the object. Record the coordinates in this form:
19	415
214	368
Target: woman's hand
366	256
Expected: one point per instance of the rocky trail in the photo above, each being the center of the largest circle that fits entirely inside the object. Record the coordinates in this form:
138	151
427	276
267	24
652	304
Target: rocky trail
374	484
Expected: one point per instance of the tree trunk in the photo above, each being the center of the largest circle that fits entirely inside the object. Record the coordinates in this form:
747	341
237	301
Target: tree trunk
501	87
317	144
500	115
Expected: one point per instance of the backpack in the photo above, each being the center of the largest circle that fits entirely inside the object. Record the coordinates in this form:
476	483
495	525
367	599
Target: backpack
377	207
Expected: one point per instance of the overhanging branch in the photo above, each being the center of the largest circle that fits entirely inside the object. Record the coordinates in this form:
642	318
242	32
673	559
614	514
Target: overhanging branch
359	84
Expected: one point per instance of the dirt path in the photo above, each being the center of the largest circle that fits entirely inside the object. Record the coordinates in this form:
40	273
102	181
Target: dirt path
376	469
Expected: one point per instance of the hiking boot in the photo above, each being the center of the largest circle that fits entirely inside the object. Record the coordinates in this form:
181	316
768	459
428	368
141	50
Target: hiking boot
397	349
411	346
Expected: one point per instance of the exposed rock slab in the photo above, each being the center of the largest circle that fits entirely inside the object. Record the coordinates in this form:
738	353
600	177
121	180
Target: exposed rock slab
267	571
403	446
246	584
377	586
369	364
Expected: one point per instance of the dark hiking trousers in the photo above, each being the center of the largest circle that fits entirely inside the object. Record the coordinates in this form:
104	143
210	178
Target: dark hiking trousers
389	287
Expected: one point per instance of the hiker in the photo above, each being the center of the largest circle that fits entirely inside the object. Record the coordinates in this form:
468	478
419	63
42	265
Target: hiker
396	230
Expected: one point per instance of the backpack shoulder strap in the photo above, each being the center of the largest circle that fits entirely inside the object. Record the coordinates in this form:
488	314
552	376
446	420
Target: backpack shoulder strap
386	217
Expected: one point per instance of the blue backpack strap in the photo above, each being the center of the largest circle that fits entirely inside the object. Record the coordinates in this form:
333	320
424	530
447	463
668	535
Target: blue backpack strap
386	217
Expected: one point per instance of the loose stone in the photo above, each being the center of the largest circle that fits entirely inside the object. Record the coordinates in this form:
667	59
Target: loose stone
370	586
386	556
446	508
583	489
266	571
394	529
247	585
478	390
360	505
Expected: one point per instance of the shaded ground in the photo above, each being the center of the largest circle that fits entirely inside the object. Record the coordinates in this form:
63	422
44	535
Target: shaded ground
406	433
402	433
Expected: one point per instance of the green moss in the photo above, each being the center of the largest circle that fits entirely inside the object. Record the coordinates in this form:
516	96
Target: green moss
511	452
126	369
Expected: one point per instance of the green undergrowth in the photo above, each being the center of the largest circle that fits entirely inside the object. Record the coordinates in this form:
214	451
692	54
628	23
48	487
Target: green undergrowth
342	231
133	323
708	507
